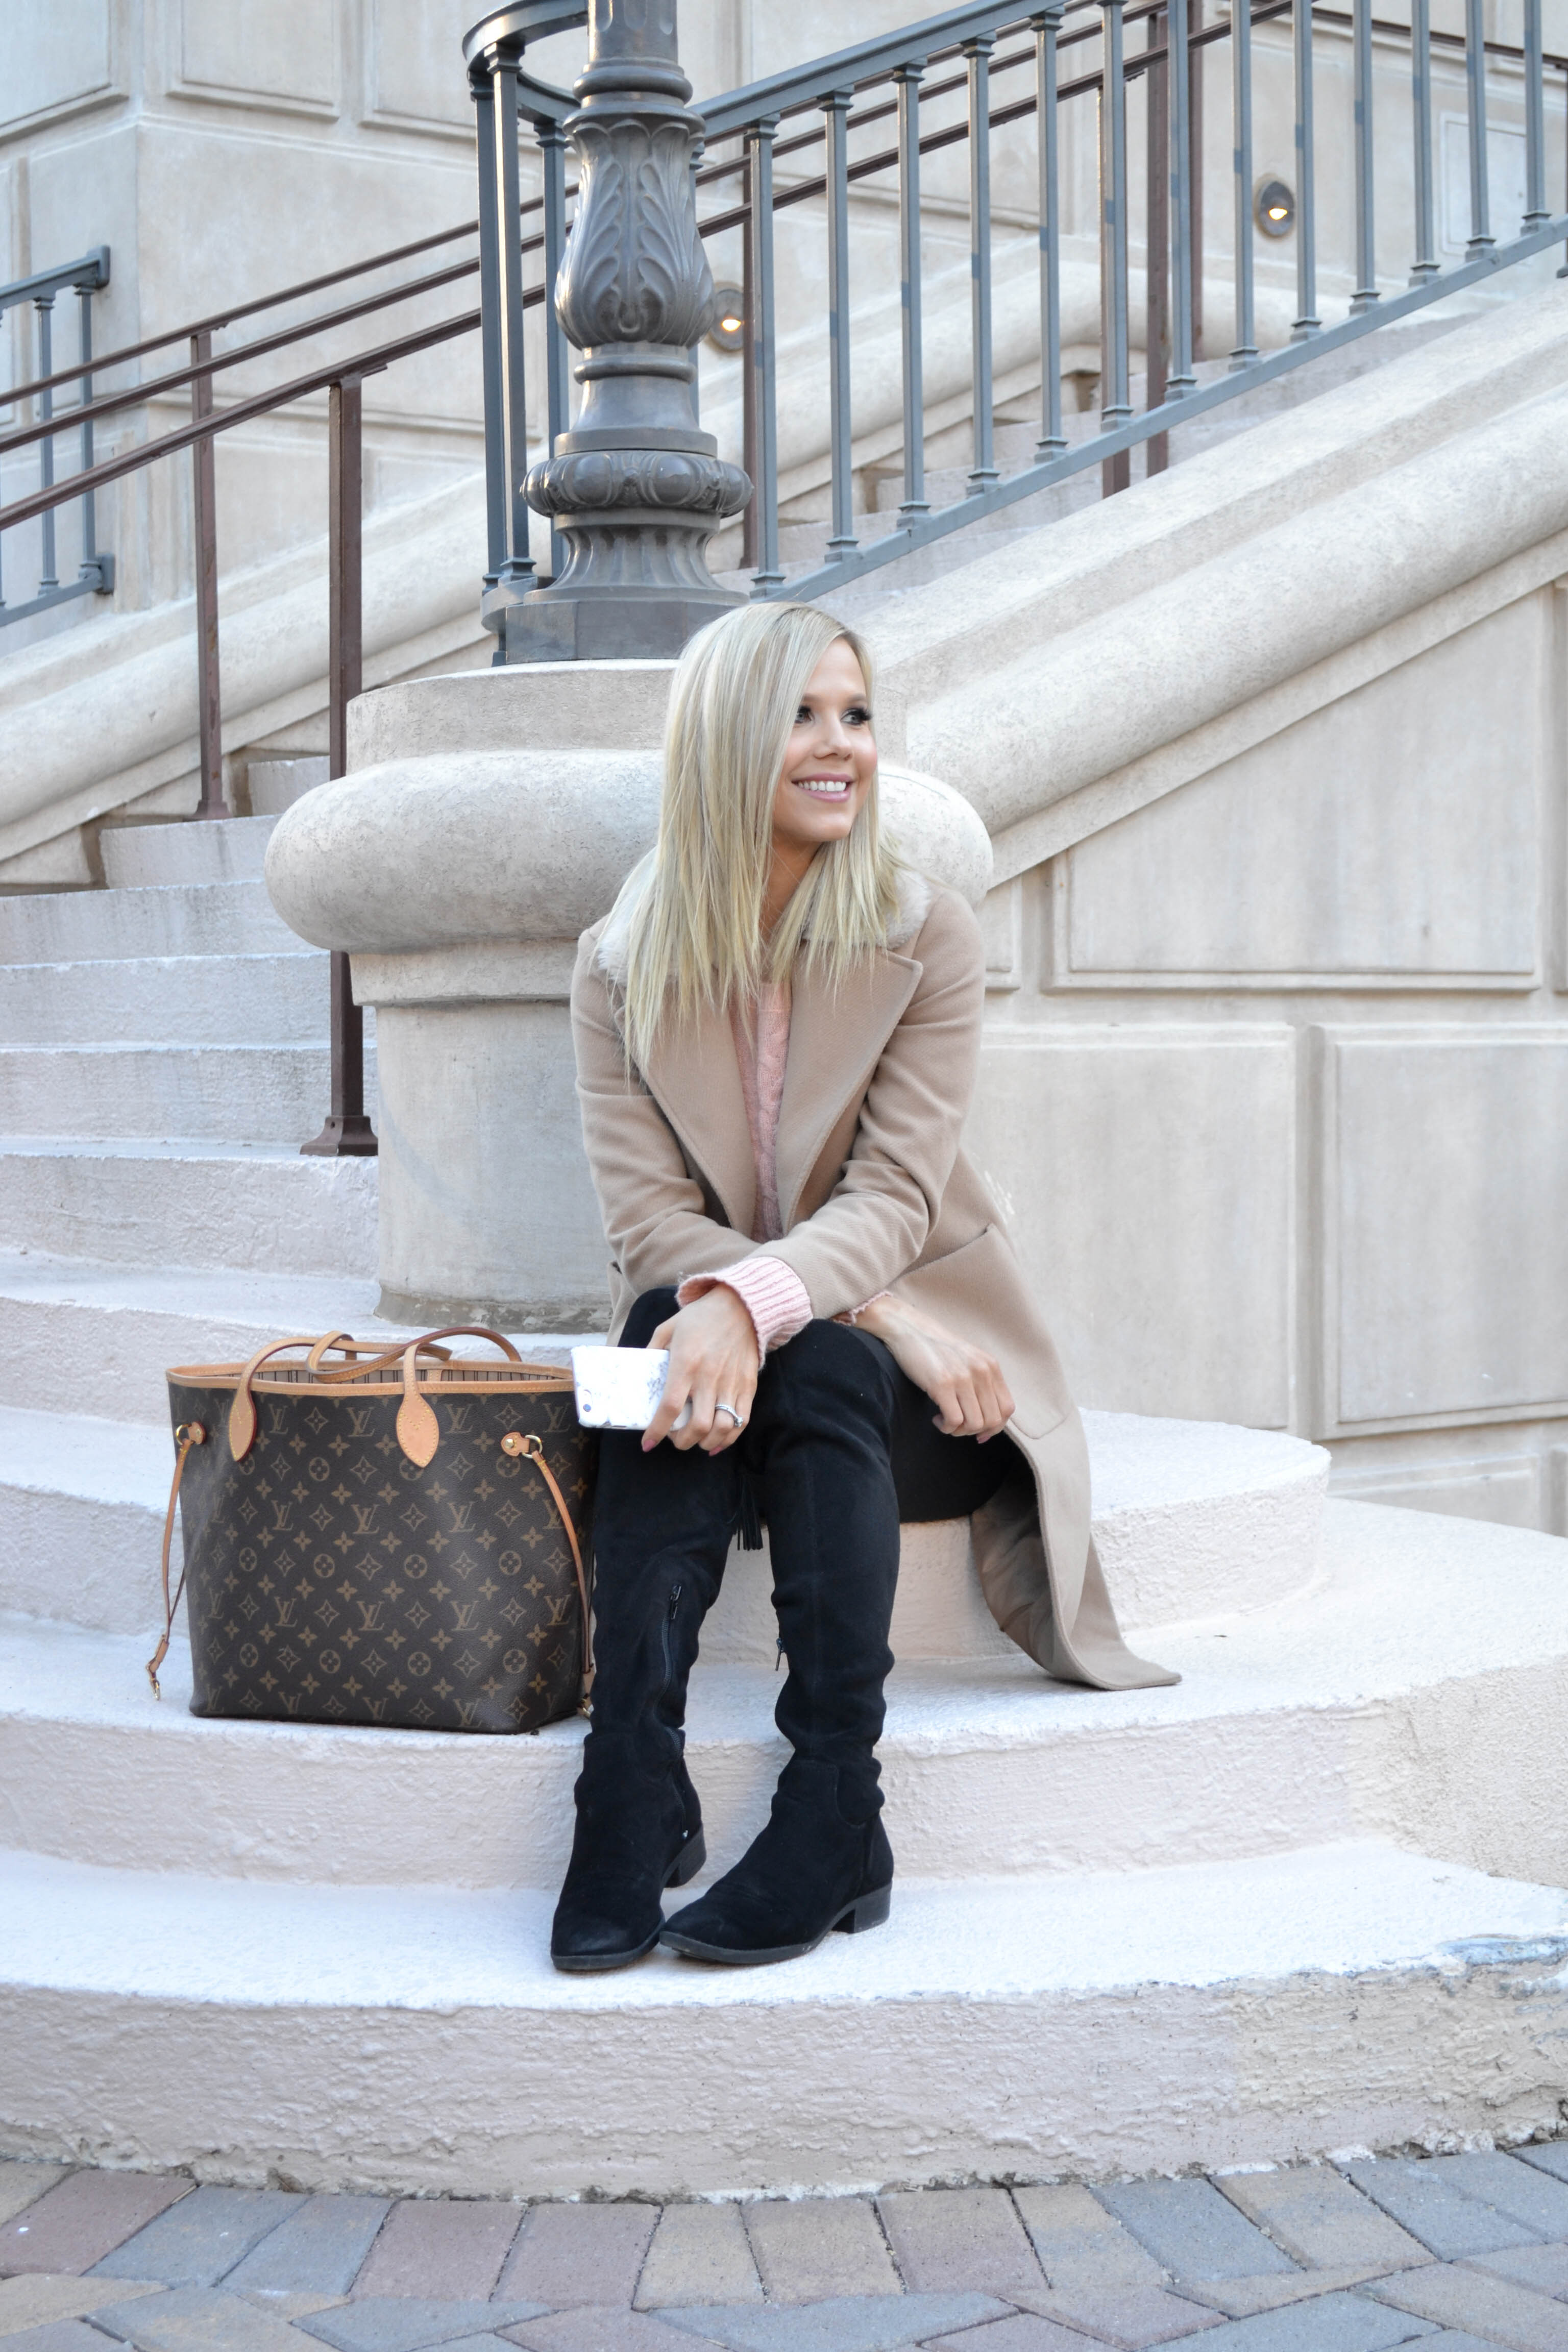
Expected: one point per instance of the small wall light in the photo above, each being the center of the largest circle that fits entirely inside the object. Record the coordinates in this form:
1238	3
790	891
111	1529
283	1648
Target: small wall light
1274	207
728	333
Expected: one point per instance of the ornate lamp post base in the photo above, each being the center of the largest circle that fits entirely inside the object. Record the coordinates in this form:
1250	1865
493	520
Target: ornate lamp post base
635	491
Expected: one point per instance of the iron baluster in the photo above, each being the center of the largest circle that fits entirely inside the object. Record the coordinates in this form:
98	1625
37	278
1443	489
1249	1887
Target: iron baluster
347	1132
1535	210
1244	349
96	570
759	390
509	573
1115	401
1157	234
1424	264
1481	239
908	82
836	108
557	350
1045	29
1307	321
978	55
1365	292
494	382
45	305
1196	166
209	706
1180	212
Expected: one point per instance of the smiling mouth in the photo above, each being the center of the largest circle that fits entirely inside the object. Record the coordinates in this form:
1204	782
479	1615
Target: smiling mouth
826	788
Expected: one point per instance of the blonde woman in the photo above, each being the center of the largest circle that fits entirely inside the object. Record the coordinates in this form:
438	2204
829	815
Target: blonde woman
777	1029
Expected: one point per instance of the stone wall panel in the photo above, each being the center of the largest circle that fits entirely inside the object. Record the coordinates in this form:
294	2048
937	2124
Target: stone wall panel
66	61
1392	835
1447	1260
1149	1182
286	53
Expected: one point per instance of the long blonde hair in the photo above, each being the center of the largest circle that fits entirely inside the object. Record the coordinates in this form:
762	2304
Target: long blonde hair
691	909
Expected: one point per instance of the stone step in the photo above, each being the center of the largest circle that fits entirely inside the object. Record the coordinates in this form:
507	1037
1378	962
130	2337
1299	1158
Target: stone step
220	1094
1190	1516
198	918
216	1000
264	1207
79	1338
81	1514
1353	1995
226	849
1414	1695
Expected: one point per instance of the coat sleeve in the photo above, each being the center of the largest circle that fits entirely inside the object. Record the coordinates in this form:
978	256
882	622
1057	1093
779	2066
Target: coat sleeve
655	1215
875	1222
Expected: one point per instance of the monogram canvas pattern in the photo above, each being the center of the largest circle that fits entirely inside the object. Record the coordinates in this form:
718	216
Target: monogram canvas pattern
329	1580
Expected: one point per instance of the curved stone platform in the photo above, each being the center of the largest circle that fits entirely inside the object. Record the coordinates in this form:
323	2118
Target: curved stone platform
384	2038
1392	1699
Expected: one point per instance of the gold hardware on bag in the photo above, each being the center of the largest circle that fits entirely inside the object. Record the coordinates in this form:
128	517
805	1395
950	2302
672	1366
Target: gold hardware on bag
189	1434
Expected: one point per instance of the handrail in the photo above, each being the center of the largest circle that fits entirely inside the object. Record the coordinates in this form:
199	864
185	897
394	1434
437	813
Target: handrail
798	87
87	276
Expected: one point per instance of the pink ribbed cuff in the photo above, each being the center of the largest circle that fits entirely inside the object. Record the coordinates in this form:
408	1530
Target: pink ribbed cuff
771	1293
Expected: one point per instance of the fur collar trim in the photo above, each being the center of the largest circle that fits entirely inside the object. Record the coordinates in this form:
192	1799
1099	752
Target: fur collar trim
915	895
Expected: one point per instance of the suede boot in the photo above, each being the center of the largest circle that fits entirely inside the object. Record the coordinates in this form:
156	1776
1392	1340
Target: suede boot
662	1528
812	1870
820	1441
639	1829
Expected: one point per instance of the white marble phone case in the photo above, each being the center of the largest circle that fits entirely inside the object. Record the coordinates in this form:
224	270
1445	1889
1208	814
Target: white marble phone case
619	1388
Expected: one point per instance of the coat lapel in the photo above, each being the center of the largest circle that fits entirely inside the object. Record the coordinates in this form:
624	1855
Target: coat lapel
694	1077
836	1038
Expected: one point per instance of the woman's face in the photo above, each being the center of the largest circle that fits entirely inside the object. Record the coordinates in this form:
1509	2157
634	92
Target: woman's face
830	762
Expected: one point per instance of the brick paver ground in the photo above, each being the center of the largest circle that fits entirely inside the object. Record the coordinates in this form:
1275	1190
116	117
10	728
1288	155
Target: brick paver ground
1461	2253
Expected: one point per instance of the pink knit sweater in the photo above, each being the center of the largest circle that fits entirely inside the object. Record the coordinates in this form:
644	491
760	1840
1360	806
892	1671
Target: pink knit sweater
774	1294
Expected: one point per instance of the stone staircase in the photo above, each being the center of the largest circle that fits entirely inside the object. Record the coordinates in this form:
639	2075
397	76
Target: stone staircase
1310	1898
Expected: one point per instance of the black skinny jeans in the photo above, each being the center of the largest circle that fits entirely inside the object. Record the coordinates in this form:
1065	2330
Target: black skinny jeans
840	1446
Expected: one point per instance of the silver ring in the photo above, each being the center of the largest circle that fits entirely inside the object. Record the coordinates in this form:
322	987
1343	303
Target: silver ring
732	1414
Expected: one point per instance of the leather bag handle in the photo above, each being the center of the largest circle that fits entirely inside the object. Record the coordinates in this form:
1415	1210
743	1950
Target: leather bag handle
418	1430
189	1434
242	1412
530	1449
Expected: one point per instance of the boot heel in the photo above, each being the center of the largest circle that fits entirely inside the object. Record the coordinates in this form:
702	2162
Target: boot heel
689	1861
870	1911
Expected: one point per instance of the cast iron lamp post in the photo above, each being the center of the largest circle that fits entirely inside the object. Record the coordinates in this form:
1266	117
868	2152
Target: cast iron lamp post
635	489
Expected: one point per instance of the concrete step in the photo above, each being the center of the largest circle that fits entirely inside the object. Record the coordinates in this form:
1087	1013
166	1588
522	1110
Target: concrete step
81	1514
217	1000
1414	1694
221	1094
198	919
261	1207
1353	1995
226	849
77	1338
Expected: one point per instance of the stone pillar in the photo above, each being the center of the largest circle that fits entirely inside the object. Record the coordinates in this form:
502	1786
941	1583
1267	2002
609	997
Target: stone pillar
636	490
487	819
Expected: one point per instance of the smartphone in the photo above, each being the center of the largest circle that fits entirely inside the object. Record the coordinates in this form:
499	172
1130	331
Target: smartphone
619	1388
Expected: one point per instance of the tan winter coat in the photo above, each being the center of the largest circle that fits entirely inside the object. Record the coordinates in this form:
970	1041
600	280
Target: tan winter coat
875	1194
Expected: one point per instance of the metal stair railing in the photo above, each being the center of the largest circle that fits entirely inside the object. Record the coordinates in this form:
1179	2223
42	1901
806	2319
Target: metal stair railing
95	571
889	78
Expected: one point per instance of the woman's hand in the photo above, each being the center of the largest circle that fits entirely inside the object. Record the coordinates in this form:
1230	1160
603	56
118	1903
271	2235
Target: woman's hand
965	1381
713	1349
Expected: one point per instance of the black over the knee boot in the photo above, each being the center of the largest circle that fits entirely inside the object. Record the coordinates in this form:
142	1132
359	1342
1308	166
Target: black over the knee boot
819	1447
662	1524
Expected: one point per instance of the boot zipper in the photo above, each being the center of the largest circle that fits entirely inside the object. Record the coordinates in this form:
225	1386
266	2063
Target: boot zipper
675	1593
